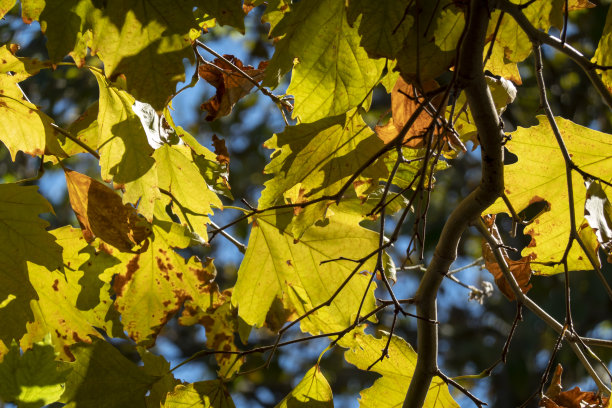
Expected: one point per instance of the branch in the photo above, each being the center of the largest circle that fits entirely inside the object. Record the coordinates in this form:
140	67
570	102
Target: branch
538	36
470	72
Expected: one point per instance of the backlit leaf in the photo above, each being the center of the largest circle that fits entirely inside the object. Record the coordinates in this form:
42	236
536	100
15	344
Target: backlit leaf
20	67
16	293
32	379
23	235
102	214
102	377
158	367
226	12
230	85
125	154
539	176
331	71
147	42
193	198
6	6
73	301
396	370
153	285
313	391
275	266
202	394
383	26
603	54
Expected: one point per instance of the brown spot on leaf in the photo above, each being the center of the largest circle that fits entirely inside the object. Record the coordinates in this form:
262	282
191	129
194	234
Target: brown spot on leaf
55	283
289	262
122	280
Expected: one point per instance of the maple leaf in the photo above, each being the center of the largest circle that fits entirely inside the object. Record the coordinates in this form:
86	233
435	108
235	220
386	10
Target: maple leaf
313	390
102	214
574	398
201	394
231	86
521	269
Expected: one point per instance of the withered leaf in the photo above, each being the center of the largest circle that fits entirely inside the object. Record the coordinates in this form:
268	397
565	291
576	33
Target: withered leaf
230	84
521	269
403	105
101	213
221	150
574	398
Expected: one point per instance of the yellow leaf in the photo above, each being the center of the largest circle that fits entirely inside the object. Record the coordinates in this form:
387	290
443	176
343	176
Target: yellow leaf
313	391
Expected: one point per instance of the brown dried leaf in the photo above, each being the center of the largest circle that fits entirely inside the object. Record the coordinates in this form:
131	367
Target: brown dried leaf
403	106
521	269
574	398
102	214
230	84
221	150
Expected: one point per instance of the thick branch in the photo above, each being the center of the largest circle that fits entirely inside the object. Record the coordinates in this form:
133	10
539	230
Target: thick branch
471	78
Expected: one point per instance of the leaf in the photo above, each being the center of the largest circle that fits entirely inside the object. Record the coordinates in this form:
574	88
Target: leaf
24	128
202	394
403	107
16	293
192	197
316	159
125	154
497	64
102	214
275	266
102	377
156	128
23	235
32	379
397	370
313	391
574	398
521	269
221	322
151	286
231	86
331	71
603	53
19	67
226	12
158	367
84	128
6	6
539	175
598	213
73	303
146	42
383	26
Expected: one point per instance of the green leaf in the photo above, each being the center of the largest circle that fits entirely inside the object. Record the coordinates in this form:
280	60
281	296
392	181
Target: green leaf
313	391
192	198
383	25
101	377
539	175
158	367
147	42
16	293
34	378
73	303
152	286
84	128
315	159
23	235
226	12
125	154
332	72
202	394
276	266
603	54
396	369
24	128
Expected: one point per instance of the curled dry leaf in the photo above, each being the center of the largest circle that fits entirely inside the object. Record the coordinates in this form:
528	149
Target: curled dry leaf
574	398
403	105
598	213
102	214
521	269
230	84
221	150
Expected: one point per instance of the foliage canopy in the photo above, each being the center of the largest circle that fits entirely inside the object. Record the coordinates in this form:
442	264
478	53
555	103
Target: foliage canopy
344	190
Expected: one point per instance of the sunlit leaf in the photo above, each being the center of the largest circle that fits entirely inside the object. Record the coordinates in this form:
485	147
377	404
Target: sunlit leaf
539	175
158	367
603	54
85	129
396	370
125	154
313	391
152	286
598	213
226	12
6	6
19	67
275	266
34	378
202	394
331	71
